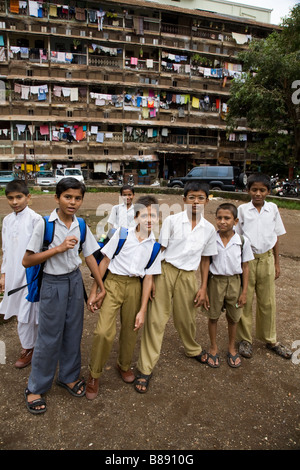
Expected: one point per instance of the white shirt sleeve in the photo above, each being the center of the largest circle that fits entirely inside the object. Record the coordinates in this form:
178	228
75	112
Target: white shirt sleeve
210	247
247	251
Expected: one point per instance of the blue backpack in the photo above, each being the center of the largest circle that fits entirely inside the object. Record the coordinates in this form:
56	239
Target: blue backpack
34	274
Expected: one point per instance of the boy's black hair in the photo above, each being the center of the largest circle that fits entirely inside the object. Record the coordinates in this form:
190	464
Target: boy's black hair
69	183
259	178
127	187
195	186
17	186
145	201
228	206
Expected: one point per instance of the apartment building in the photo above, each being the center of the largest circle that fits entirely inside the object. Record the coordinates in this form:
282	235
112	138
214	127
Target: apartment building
137	87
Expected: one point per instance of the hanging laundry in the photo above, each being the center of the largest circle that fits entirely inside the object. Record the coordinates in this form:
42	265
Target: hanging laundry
79	133
14	6
133	60
53	10
80	14
21	128
25	92
149	63
2	54
33	8
57	91
66	91
195	102
34	90
74	94
44	129
42	95
94	129
100	137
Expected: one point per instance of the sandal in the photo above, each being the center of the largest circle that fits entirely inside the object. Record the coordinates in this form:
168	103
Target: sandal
245	349
231	360
200	359
215	360
142	380
79	384
281	350
32	405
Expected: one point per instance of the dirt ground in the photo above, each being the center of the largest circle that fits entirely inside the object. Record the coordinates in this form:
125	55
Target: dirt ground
189	406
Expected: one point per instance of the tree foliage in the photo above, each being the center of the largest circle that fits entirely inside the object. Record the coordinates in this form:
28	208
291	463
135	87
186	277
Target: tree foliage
265	95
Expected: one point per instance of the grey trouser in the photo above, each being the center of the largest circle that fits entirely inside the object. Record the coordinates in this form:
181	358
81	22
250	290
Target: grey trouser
59	331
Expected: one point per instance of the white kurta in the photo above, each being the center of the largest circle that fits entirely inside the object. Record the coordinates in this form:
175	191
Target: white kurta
16	233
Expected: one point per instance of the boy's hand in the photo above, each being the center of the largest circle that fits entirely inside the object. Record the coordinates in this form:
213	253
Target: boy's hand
242	299
139	320
201	299
67	244
95	300
277	270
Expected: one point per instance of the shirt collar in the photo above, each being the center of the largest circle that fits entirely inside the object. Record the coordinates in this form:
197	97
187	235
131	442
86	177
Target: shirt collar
235	239
54	216
187	220
265	206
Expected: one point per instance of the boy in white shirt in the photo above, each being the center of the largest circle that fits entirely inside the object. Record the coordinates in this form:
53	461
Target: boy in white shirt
261	223
122	215
224	283
187	240
124	293
16	232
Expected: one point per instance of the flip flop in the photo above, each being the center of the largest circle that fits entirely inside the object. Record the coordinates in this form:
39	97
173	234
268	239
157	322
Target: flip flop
214	359
230	358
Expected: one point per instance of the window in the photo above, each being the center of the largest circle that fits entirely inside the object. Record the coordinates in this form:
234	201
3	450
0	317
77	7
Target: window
69	113
217	171
29	73
69	151
196	172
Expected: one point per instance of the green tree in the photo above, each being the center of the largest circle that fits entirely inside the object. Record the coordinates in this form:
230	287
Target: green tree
267	94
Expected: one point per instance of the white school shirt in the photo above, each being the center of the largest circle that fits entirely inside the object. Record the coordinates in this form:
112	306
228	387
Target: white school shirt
120	216
134	255
184	246
261	228
229	259
70	260
17	229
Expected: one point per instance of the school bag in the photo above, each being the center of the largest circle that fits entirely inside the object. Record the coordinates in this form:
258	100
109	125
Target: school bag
34	274
122	239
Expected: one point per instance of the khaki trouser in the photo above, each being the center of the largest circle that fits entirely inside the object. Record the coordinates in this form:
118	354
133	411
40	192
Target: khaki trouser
123	293
261	282
181	287
224	291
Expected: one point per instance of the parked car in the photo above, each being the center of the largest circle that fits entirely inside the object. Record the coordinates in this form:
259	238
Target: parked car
223	178
67	172
6	176
48	178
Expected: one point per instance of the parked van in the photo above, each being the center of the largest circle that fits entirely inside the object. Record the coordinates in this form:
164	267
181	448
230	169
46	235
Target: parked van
222	178
48	178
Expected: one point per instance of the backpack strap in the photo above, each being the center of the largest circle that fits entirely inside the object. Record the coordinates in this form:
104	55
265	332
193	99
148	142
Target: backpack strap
122	240
154	254
82	227
33	272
